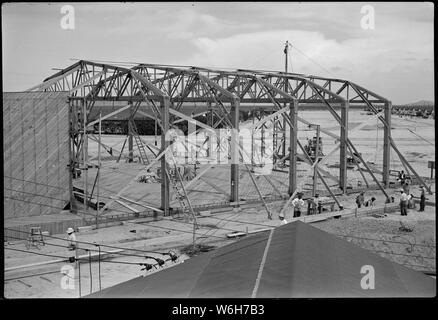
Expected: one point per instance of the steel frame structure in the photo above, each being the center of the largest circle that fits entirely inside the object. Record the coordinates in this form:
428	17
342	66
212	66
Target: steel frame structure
161	92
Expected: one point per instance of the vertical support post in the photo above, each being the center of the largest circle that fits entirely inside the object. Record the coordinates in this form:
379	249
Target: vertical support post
286	87
209	135
316	160
252	138
262	140
274	139
234	151
283	144
71	150
79	269
165	197
194	235
85	154
218	146
387	143
293	113
91	273
100	282
98	170
156	130
130	142
343	148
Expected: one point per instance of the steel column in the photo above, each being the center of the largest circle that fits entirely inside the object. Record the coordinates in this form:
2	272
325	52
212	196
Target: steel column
315	165
234	151
293	146
343	147
130	142
387	144
165	196
71	151
85	154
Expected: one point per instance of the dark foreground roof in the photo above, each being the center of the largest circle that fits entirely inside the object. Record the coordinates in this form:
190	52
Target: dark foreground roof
295	260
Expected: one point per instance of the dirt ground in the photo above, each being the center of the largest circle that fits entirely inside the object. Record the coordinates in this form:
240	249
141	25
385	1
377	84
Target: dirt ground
414	138
415	249
172	234
167	234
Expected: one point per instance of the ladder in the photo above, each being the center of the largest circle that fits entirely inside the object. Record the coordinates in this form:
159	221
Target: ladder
140	146
35	237
181	195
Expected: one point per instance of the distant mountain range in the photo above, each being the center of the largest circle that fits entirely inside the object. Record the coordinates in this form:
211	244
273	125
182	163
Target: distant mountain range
421	103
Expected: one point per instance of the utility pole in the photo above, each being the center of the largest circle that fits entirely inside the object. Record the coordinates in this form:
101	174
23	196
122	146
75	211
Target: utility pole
286	55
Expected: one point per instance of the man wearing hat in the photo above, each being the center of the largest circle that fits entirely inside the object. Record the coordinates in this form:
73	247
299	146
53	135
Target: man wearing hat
403	203
72	243
282	219
298	204
370	202
360	199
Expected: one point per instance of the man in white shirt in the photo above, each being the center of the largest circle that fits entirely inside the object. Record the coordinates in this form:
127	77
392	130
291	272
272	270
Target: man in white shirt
282	219
404	198
298	204
72	243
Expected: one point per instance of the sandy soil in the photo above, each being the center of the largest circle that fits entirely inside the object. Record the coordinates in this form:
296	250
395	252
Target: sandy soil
173	234
415	249
168	234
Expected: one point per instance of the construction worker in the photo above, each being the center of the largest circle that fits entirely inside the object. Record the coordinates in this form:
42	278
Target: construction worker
314	205
406	187
360	199
298	204
370	202
402	177
72	242
422	198
282	219
411	202
403	203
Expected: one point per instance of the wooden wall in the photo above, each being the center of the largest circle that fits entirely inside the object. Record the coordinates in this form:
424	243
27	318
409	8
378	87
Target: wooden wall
35	153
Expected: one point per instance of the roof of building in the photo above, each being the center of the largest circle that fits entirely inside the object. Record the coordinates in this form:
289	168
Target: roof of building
292	261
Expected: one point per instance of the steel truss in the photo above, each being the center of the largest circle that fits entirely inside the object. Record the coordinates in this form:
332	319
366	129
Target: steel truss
162	92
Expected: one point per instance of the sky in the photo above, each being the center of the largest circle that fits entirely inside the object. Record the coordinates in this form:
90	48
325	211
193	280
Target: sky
395	59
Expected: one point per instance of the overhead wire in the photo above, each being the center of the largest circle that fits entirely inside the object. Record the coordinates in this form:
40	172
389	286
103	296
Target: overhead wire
268	54
52	186
96	250
232	220
433	144
214	232
94	244
224	219
148	266
32	275
37	253
80	211
160	227
160	263
310	59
